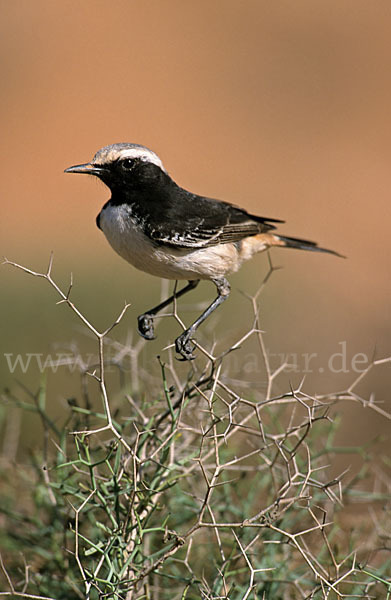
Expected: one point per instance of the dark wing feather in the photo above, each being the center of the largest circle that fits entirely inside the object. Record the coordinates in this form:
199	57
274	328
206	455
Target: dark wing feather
202	222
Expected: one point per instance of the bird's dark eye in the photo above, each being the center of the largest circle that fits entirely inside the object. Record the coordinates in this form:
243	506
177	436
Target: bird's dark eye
127	164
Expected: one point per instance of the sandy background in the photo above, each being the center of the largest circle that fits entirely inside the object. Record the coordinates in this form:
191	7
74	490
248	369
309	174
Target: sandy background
283	108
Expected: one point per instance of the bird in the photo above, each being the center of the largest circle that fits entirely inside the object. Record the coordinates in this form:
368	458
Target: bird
164	230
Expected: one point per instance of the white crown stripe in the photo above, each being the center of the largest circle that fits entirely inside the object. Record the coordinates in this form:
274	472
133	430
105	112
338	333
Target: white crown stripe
119	151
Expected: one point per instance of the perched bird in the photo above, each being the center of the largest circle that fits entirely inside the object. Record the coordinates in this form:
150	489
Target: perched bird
169	232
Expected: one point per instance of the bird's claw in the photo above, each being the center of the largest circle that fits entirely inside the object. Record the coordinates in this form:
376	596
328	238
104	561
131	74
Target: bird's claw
145	327
184	347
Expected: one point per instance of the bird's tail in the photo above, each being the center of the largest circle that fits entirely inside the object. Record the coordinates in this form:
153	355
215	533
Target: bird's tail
290	242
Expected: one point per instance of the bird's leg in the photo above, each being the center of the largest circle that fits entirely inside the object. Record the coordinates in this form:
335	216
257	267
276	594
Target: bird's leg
145	321
183	344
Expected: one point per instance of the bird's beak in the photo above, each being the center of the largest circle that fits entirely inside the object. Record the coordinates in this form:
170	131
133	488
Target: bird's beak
88	168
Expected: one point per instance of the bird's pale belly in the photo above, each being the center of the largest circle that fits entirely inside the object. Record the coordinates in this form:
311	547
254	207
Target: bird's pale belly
128	240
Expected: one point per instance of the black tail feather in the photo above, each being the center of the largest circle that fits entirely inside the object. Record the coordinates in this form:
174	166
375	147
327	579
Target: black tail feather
300	244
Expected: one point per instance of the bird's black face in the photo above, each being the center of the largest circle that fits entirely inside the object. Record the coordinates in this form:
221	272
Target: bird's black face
124	167
131	173
123	173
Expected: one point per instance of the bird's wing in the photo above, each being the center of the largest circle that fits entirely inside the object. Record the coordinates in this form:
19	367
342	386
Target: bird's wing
201	237
204	222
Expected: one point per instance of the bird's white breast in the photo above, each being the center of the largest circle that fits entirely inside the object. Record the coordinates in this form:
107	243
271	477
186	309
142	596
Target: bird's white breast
126	237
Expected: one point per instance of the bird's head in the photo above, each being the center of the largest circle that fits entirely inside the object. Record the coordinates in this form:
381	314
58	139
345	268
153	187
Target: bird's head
123	166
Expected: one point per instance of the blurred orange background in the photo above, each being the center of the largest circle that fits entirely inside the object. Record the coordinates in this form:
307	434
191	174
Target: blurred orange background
281	107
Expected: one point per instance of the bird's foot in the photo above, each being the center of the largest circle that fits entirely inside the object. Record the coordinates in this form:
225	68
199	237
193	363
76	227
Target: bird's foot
145	327
184	346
